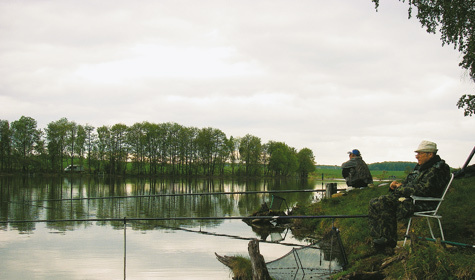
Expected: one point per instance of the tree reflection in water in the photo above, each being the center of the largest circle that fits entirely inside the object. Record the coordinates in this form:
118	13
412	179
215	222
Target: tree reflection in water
67	198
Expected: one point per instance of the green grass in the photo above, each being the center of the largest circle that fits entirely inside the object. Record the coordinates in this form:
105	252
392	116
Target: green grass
458	211
336	174
242	268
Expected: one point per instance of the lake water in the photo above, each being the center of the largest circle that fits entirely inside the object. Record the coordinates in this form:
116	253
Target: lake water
92	246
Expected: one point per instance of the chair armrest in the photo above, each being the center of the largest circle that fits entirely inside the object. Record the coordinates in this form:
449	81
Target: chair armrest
425	198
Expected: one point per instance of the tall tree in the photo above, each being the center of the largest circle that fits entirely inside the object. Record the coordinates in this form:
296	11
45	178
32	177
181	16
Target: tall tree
24	137
250	150
119	147
5	146
155	135
282	158
80	146
164	137
306	162
71	135
455	21
173	147
90	140
137	141
41	152
232	146
103	147
210	147
187	150
56	136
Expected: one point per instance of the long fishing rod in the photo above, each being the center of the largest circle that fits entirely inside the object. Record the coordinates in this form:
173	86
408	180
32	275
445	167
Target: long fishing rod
183	194
234	236
183	219
469	159
461	172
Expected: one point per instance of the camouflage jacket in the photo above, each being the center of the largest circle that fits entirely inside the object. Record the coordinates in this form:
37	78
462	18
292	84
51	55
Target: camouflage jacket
356	172
429	179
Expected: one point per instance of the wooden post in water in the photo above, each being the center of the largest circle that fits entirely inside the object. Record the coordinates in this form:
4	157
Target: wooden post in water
259	268
331	189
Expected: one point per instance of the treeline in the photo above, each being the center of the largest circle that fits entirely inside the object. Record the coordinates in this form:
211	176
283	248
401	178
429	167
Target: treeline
380	166
144	149
392	166
406	166
329	167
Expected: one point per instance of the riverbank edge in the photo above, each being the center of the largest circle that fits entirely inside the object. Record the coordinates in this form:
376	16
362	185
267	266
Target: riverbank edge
416	260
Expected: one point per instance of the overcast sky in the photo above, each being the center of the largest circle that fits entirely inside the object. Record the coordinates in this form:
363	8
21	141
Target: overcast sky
326	75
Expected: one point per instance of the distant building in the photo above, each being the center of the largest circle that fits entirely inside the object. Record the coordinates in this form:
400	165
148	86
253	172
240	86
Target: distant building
74	168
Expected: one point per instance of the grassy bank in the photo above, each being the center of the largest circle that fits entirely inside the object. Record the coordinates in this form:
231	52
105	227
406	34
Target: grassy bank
329	174
419	260
425	260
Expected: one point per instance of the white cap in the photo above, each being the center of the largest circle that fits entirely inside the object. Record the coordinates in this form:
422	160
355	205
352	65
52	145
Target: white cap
427	147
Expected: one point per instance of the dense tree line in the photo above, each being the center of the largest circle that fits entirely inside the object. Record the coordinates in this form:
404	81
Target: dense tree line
406	166
393	166
144	149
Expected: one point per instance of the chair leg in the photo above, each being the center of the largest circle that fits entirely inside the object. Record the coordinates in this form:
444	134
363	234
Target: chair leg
441	230
407	231
430	228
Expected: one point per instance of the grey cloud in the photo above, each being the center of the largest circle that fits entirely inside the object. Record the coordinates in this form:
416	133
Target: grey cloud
328	75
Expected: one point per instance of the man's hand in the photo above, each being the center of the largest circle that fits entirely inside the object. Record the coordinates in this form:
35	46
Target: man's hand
394	185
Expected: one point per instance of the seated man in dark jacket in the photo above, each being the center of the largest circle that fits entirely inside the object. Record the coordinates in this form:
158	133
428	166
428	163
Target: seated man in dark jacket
355	171
429	178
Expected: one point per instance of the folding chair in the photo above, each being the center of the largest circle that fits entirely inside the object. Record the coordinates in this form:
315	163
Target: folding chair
430	213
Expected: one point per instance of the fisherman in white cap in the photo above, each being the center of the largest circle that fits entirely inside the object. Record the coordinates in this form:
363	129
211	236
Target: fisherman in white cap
429	178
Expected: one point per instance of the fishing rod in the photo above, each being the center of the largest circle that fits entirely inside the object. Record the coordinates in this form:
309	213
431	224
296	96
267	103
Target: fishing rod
469	158
184	194
236	237
461	172
125	219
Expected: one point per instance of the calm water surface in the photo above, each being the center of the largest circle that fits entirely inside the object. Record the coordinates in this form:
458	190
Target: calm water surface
145	249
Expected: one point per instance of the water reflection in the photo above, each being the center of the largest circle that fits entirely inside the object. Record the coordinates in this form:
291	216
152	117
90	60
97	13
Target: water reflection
91	197
84	198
